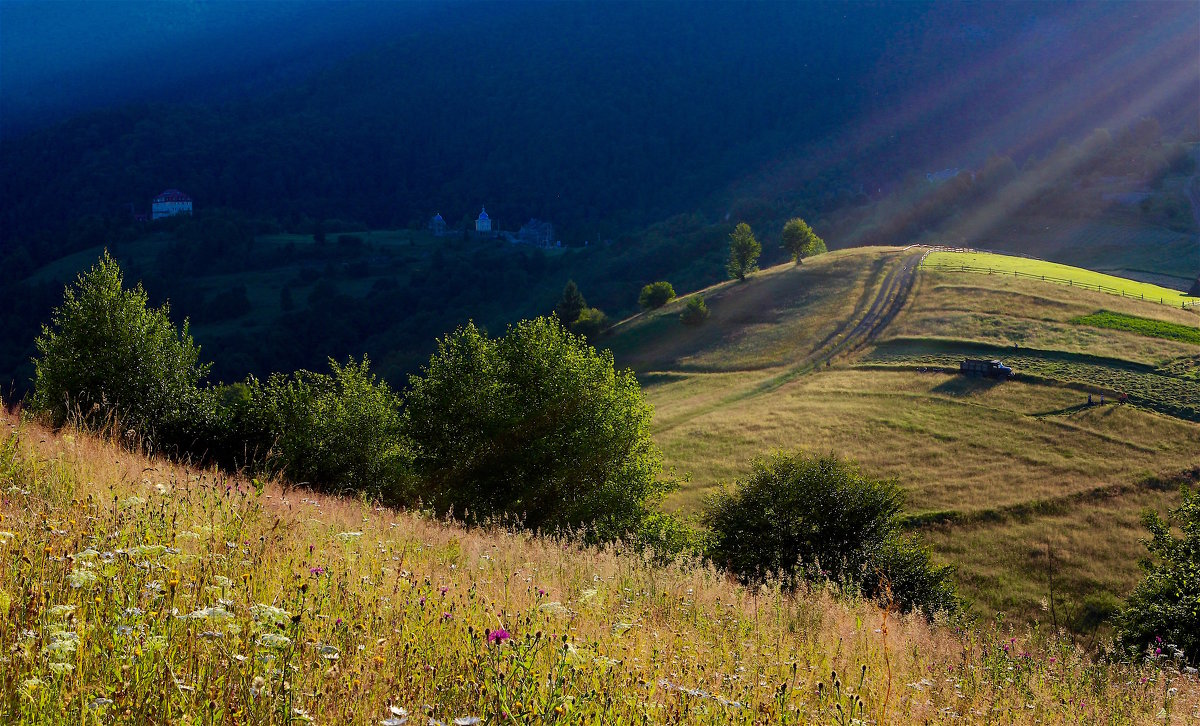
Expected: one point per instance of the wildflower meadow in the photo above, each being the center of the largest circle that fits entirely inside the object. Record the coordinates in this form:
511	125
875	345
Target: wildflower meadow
136	591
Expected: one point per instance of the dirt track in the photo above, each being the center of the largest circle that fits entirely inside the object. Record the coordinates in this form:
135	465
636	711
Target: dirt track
893	293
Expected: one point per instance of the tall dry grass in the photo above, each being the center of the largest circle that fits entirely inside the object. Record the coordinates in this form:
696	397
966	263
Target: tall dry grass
134	591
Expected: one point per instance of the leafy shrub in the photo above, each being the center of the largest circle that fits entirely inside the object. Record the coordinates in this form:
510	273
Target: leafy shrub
695	312
655	295
335	431
535	425
109	357
590	323
1164	609
805	518
668	536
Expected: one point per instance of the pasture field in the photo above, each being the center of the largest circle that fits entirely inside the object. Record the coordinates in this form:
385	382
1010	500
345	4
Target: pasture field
1141	326
1080	277
991	469
1120	245
769	321
136	591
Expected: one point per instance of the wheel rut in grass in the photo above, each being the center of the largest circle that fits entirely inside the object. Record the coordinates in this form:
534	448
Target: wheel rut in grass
887	303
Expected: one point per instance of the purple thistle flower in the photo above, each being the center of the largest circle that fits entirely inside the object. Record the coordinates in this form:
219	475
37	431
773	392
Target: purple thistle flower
499	635
316	571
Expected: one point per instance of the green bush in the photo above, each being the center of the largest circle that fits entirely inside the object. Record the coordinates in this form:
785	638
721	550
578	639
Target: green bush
590	323
110	359
805	518
1164	610
655	295
337	431
695	312
536	425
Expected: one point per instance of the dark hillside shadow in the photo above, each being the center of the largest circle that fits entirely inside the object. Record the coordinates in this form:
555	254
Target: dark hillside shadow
649	380
1063	411
966	385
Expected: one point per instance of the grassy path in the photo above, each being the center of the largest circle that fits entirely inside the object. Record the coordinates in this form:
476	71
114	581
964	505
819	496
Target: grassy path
886	304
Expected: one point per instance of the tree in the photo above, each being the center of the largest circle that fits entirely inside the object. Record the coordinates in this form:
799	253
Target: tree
570	305
809	518
743	252
536	425
337	431
695	312
655	295
106	355
1164	609
590	323
800	241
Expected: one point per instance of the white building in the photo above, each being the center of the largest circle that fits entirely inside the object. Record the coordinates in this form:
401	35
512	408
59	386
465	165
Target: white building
483	223
437	225
170	203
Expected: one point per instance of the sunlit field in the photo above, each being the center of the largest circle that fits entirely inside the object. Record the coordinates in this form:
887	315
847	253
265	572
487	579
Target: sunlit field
135	591
1081	277
993	471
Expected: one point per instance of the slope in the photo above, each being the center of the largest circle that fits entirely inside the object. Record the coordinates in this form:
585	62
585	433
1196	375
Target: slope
998	473
134	590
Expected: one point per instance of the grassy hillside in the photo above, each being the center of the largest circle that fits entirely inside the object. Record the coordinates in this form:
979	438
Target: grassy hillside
998	474
135	591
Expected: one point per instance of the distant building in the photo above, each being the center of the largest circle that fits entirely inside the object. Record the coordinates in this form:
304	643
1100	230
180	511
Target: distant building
537	232
483	224
437	225
945	175
170	203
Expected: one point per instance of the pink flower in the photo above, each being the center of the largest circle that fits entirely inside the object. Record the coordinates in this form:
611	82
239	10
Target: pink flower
499	635
316	571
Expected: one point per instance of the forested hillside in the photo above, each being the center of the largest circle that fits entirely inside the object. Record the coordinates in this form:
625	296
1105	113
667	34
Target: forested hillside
645	131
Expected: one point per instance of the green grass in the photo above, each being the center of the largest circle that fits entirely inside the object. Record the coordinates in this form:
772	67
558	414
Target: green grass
1002	462
134	591
1080	277
1143	385
1141	326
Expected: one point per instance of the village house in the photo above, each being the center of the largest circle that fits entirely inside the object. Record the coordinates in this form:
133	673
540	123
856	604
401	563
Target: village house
170	203
537	232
